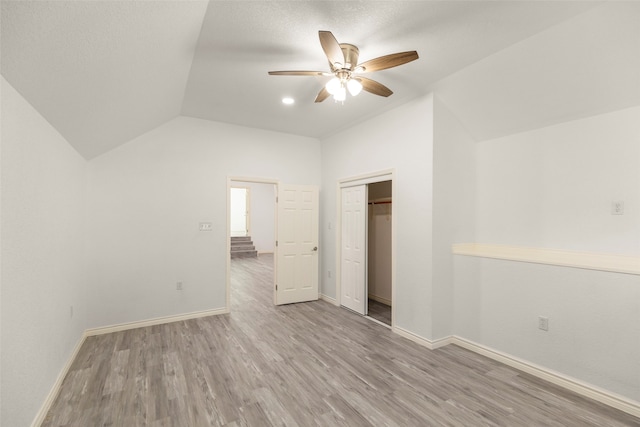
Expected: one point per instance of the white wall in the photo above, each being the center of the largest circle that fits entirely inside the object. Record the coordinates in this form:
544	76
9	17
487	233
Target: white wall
262	214
553	188
401	139
594	318
454	188
147	198
43	268
581	67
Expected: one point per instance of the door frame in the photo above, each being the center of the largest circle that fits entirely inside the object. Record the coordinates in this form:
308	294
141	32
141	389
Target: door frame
369	178
254	180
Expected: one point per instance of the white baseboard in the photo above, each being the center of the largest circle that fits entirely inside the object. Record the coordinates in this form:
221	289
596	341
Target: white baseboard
608	398
55	389
328	299
379	299
603	396
155	321
431	345
600	395
265	252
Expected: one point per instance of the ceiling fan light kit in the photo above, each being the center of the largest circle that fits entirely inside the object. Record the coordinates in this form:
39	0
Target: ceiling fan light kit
343	62
338	87
354	86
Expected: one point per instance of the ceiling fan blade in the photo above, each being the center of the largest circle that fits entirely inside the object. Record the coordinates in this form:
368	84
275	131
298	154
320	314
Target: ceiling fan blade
331	48
299	73
388	61
322	95
374	87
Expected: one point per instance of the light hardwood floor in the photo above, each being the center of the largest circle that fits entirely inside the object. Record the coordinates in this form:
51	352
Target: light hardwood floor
310	364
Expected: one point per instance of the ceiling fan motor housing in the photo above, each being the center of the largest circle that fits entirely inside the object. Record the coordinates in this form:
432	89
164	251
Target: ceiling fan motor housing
351	54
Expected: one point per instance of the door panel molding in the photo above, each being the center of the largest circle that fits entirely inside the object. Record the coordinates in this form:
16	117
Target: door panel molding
353	243
297	250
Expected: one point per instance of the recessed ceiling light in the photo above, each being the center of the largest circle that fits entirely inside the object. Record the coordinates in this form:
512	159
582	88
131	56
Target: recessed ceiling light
288	101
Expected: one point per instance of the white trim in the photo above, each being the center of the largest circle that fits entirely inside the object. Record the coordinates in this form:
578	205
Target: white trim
251	180
328	299
156	321
603	396
431	345
379	299
592	392
55	389
265	252
627	264
394	245
368	178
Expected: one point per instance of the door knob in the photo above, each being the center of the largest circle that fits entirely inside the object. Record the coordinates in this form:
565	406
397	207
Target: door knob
315	249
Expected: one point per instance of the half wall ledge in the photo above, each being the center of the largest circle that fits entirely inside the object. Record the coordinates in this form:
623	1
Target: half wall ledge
626	264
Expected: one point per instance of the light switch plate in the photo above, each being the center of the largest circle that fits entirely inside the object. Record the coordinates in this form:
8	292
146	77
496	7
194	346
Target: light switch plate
206	226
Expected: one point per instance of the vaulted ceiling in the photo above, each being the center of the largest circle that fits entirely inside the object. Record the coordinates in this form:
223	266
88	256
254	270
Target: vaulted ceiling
104	72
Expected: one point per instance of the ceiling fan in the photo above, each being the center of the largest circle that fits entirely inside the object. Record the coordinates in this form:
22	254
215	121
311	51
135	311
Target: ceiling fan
343	61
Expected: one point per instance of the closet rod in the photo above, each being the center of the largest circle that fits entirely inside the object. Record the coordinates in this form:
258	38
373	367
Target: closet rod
380	203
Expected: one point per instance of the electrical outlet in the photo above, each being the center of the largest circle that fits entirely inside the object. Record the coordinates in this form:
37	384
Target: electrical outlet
617	207
543	323
179	286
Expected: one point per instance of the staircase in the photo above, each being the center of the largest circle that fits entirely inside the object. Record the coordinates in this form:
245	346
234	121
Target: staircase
242	247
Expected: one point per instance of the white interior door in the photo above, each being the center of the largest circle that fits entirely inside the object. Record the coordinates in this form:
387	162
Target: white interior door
353	268
239	211
297	245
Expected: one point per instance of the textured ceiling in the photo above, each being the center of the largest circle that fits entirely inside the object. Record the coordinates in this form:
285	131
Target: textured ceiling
104	72
101	73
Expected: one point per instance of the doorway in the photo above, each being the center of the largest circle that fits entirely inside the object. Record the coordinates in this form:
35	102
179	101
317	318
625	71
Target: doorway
365	280
252	234
294	261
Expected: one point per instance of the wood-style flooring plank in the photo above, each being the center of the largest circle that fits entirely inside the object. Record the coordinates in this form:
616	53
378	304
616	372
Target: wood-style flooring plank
309	364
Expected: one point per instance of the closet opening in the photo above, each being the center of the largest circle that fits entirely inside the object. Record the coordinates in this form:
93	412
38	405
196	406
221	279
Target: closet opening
365	282
379	207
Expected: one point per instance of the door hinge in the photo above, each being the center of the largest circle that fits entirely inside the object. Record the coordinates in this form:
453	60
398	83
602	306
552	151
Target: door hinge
276	243
276	199
276	286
